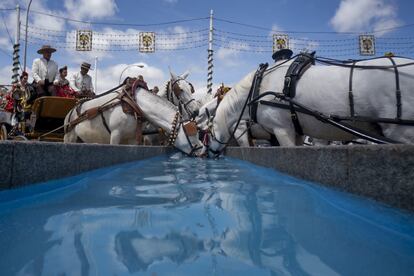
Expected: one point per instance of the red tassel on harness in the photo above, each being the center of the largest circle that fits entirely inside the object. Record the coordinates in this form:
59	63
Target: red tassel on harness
206	139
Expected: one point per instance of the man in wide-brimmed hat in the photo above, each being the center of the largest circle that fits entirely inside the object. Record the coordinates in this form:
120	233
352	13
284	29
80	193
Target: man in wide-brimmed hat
45	71
81	82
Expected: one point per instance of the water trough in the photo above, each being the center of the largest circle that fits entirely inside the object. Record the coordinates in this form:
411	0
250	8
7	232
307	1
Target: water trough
381	172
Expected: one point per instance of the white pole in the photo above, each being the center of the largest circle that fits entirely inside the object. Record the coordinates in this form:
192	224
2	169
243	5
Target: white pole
25	36
96	74
16	48
210	56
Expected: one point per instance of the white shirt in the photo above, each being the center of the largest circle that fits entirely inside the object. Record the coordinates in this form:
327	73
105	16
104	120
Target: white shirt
60	82
43	69
79	82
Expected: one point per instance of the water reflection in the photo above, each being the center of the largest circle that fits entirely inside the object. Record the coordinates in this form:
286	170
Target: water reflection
192	217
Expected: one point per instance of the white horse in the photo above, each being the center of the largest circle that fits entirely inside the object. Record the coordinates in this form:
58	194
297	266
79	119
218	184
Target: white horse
325	89
207	113
180	92
114	126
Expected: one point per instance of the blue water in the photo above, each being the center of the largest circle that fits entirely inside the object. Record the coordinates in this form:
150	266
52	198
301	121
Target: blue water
180	216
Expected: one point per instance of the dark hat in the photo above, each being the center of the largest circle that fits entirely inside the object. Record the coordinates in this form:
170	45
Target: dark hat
63	68
86	65
46	48
282	54
24	74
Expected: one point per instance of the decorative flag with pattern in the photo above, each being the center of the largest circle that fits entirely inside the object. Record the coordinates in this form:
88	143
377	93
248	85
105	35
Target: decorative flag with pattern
83	40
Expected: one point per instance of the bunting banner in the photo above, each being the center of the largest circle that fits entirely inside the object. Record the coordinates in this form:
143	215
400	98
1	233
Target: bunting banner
280	41
367	45
83	40
147	42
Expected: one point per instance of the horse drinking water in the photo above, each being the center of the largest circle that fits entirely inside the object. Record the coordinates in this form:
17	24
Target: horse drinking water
109	124
380	88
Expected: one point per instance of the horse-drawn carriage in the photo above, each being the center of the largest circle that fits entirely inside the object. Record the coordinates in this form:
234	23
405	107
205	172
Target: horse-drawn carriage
43	121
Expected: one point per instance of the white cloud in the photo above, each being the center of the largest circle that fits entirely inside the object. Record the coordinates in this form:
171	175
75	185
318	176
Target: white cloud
108	77
303	45
275	30
365	15
40	20
181	38
5	75
82	9
228	55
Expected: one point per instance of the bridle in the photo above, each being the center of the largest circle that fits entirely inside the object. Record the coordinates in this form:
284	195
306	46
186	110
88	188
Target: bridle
187	126
209	132
248	98
173	93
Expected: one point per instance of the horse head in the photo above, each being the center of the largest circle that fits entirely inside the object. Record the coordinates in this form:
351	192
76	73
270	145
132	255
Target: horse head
213	134
182	132
180	92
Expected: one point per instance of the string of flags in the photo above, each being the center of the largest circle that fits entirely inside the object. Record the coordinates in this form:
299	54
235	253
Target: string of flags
146	43
84	41
366	44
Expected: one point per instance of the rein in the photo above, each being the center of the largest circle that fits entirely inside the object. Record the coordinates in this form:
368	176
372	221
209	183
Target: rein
330	119
345	63
253	89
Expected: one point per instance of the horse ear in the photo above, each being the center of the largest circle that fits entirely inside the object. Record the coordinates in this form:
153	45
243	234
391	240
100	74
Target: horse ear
173	76
185	74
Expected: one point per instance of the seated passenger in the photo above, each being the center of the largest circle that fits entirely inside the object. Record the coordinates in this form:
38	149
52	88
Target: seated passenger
155	90
81	82
62	84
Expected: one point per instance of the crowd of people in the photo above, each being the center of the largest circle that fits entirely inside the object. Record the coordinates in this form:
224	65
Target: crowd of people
49	80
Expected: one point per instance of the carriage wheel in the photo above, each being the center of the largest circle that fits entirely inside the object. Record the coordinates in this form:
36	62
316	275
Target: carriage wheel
20	138
3	132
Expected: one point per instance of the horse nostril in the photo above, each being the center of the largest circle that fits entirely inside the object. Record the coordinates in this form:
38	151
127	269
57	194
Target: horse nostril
195	113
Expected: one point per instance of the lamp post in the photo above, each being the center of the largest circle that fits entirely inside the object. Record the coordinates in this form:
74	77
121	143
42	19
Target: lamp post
129	66
25	35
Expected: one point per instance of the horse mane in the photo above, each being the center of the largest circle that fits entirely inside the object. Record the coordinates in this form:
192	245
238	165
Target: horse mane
163	92
158	100
230	107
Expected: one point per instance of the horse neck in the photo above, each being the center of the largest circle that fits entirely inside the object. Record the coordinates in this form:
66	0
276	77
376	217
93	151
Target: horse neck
157	110
206	99
229	109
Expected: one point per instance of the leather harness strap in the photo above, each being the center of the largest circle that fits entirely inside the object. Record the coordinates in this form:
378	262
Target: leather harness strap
138	113
293	74
91	113
397	89
350	92
255	89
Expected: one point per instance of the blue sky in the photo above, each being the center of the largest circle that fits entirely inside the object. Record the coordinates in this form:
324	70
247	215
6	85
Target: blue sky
331	27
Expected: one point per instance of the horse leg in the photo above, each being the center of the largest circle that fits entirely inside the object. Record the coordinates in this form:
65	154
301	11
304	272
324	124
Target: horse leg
242	135
115	137
299	139
286	137
70	137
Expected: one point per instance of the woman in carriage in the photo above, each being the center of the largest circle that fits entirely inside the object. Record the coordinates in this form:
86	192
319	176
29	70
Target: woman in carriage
62	84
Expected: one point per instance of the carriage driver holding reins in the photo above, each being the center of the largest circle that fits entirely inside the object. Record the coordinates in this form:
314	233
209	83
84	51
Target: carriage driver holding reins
45	71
